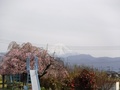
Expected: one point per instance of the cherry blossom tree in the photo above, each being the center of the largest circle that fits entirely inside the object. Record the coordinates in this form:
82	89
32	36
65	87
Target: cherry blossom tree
14	62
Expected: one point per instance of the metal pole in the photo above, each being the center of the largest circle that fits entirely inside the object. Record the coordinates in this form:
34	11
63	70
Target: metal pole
36	63
28	71
36	70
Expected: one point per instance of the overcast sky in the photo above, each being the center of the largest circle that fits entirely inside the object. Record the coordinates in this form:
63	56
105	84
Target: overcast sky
75	23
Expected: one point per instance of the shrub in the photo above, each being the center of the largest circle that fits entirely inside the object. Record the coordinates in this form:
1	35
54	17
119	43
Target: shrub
84	81
103	81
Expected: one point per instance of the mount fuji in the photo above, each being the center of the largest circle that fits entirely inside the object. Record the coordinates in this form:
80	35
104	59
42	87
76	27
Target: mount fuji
60	50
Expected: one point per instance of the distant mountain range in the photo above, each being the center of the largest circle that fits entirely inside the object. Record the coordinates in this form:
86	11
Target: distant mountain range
99	62
72	58
1	56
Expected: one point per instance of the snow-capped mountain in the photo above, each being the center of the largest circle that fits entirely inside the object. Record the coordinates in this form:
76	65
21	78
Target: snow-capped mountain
60	50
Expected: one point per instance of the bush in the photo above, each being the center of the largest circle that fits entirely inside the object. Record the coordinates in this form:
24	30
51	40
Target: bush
84	81
80	78
55	83
103	81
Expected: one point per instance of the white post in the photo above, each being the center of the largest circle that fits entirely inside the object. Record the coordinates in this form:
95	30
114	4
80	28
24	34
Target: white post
117	85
